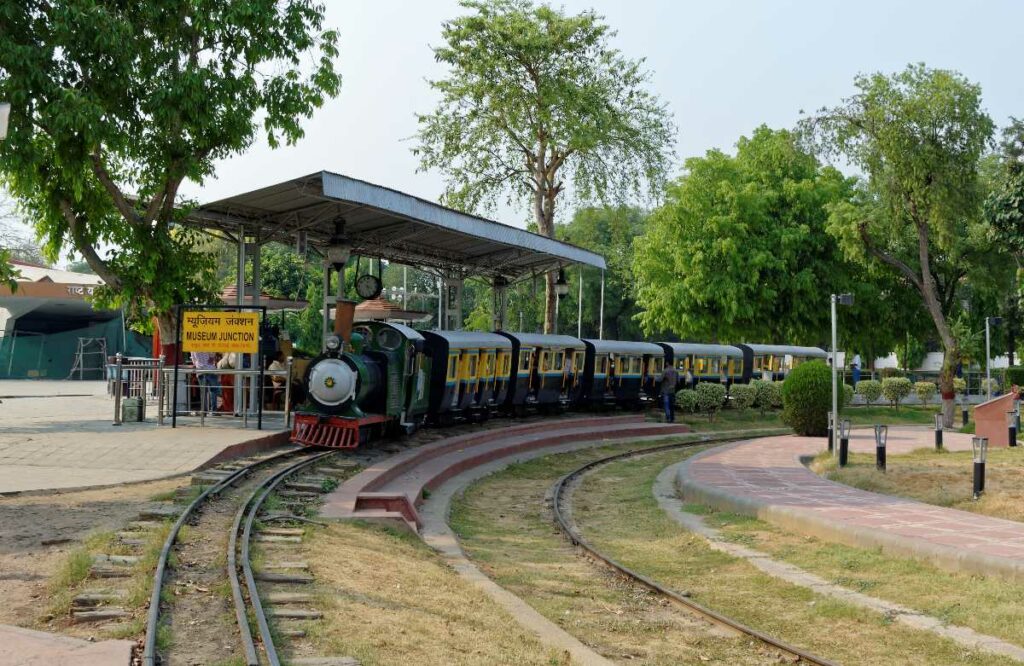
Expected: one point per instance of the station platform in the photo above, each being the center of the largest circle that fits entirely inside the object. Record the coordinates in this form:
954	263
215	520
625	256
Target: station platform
59	435
766	478
26	647
394	488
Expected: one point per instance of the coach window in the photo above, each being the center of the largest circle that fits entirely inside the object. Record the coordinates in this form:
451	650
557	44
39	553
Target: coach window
577	361
453	367
559	361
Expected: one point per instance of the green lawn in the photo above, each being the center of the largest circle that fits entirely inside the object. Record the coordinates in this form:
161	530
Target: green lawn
731	419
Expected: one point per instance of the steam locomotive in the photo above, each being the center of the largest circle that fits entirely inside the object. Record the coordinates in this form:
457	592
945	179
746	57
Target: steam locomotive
378	379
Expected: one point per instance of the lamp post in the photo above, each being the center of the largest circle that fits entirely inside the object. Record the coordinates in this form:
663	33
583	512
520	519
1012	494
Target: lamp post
831	432
843	299
979	446
1011	427
938	432
881	434
5	114
561	289
989	322
964	412
844	442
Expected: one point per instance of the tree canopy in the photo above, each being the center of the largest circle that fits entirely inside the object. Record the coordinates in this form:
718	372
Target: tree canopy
739	252
114	105
918	136
534	99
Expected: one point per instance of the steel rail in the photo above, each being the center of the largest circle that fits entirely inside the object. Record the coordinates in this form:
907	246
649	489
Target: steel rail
248	511
577	540
153	618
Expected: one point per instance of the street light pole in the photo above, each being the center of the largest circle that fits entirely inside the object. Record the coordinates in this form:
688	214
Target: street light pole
988	361
835	388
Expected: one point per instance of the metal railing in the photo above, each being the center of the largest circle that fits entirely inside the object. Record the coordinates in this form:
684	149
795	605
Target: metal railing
192	388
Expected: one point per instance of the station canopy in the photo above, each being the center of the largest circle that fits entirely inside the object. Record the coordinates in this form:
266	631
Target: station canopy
381	222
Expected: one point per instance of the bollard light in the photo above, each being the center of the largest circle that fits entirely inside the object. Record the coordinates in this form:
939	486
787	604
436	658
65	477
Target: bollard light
979	445
964	412
844	442
881	435
938	432
1011	427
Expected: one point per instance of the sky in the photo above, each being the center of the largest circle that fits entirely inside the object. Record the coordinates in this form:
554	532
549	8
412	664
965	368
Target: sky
723	67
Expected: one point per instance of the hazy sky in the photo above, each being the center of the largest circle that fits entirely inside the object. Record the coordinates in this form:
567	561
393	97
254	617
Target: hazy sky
723	67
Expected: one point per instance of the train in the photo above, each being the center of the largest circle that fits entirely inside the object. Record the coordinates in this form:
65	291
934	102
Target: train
376	379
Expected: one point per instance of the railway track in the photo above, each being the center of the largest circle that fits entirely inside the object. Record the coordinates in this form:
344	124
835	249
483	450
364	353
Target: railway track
561	494
244	520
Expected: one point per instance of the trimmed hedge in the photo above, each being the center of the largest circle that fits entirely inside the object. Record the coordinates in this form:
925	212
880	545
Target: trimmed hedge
871	389
743	396
925	391
687	400
847	397
710	398
807	398
1015	376
894	389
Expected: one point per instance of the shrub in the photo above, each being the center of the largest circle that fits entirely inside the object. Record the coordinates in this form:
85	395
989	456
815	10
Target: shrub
710	398
847	396
743	396
894	389
871	389
959	385
994	382
1015	376
687	400
925	391
807	398
891	372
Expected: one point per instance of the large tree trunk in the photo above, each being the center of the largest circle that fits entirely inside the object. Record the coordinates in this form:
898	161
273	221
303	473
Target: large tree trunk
167	323
544	215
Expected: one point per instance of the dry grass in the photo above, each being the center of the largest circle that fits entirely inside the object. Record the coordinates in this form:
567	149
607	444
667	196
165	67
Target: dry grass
618	512
388	599
989	605
505	526
941	478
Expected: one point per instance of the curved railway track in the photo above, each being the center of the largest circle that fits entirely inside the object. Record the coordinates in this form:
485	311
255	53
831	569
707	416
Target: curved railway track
562	491
248	510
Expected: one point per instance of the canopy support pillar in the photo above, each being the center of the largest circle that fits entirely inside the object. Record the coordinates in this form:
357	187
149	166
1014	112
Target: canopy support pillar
452	304
579	308
600	320
500	308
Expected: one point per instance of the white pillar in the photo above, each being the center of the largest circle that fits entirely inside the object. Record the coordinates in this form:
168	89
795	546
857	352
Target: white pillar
579	307
835	386
600	319
500	303
453	304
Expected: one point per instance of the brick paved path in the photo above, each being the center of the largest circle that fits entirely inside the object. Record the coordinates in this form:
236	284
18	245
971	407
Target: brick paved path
765	478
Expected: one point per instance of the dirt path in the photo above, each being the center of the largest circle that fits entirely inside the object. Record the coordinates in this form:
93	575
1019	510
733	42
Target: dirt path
37	532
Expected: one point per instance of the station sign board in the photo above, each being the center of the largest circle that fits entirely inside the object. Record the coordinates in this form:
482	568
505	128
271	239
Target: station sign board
205	331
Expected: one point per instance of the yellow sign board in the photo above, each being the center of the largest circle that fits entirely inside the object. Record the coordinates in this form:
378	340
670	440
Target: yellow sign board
220	332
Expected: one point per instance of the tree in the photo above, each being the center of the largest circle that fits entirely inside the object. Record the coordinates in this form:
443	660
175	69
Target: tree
917	136
15	244
610	231
115	104
535	99
739	252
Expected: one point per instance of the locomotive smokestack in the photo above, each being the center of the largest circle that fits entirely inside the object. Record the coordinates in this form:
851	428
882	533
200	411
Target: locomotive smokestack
344	314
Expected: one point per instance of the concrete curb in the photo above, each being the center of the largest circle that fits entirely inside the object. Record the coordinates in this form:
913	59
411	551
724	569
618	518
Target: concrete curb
945	557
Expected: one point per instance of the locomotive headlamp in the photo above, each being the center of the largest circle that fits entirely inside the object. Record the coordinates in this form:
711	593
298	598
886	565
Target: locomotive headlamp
333	343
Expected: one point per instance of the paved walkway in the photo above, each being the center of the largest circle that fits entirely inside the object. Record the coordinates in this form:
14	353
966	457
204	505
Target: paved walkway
58	434
25	647
765	478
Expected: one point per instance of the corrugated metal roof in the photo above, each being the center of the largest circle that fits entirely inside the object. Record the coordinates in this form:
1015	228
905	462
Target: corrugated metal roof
381	222
34	273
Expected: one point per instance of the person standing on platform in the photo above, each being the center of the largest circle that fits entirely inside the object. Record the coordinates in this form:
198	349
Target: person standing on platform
669	378
209	384
855	369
